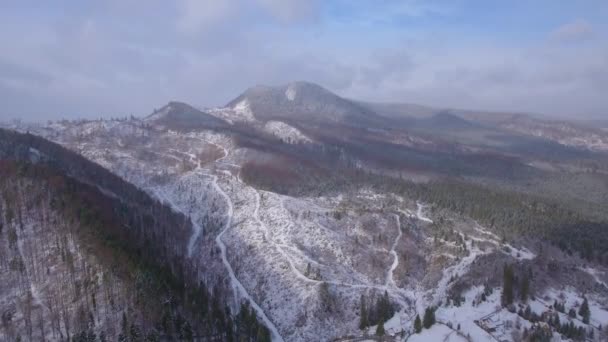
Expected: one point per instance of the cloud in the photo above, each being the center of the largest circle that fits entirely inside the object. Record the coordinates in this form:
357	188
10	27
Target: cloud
197	15
289	11
11	73
202	16
387	66
388	12
576	31
543	79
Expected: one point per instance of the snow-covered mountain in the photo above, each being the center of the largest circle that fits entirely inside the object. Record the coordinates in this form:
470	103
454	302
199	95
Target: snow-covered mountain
565	133
181	116
302	101
358	246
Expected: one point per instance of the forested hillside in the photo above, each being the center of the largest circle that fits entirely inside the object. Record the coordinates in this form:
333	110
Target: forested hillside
90	263
509	213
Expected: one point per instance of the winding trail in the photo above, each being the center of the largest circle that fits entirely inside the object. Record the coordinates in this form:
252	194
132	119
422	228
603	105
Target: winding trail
237	287
420	215
389	276
399	294
236	284
198	170
256	216
402	296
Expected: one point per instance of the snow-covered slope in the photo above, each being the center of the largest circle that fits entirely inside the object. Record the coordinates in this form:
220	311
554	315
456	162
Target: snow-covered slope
562	132
286	132
240	112
303	263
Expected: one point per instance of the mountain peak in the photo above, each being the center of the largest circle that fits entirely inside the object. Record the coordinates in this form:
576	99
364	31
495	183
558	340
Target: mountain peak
298	100
180	115
305	85
446	119
290	91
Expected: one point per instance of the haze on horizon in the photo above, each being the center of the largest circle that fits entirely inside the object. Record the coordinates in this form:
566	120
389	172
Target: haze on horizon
69	58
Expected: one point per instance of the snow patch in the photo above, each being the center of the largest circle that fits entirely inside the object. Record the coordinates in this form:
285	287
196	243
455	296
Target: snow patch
291	93
438	332
595	274
243	111
240	112
573	299
286	132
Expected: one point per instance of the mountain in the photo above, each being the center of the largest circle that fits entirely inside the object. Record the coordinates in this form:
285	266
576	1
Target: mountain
400	110
303	101
445	120
591	136
411	110
566	133
305	222
181	116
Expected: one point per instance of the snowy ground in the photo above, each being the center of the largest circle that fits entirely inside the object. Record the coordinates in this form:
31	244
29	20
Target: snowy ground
438	332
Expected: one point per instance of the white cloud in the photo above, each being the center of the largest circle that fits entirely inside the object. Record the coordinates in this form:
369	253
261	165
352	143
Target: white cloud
372	13
288	11
385	67
576	31
197	15
544	79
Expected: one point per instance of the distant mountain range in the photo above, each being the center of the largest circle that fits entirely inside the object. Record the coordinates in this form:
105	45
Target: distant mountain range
302	104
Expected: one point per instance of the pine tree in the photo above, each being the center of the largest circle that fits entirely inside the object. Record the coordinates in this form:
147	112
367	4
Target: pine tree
528	312
584	311
124	334
384	310
417	325
263	334
326	297
507	286
134	333
380	330
524	288
186	332
363	323
152	337
230	331
429	318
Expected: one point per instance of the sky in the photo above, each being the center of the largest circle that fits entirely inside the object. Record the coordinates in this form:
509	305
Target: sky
112	58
